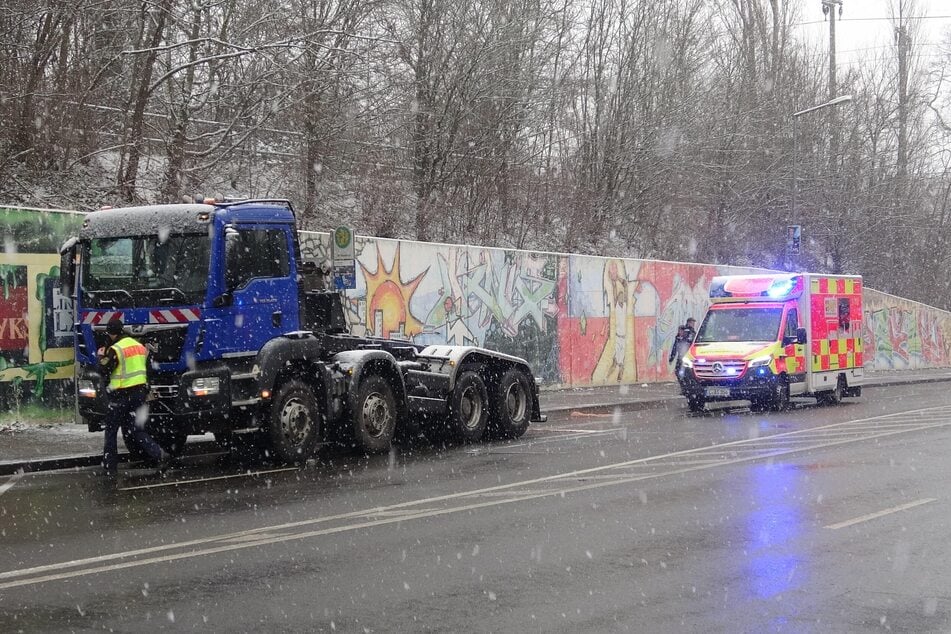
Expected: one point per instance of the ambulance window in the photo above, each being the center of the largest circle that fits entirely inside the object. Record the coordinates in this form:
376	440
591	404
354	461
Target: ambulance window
844	315
792	322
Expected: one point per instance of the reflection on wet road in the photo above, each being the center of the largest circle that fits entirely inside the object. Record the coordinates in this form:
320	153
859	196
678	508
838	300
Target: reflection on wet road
772	522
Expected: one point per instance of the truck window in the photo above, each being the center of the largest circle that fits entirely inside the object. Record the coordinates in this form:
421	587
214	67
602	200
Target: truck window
257	253
740	324
144	270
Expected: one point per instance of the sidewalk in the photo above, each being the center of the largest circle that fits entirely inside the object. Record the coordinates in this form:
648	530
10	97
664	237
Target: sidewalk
64	444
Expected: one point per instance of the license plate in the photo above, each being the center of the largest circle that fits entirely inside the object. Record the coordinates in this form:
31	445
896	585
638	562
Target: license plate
717	392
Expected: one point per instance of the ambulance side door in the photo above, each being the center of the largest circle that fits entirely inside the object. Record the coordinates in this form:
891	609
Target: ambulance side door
794	350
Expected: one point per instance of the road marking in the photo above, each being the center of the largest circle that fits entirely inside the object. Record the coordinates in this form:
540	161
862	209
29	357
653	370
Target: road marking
173	483
876	515
583	414
212	545
6	486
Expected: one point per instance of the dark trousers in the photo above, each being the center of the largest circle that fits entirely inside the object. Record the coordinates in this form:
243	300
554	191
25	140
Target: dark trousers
123	406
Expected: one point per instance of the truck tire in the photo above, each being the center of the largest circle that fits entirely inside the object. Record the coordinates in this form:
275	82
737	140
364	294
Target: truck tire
294	423
374	415
468	408
510	405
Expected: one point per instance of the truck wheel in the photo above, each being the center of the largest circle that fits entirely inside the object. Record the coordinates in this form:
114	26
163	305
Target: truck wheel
468	408
374	415
779	400
294	423
511	405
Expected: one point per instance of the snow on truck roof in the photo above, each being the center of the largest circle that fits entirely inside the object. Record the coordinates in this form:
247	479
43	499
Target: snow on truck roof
173	219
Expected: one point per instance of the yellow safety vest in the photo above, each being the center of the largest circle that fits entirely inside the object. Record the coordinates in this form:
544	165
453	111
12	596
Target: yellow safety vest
131	369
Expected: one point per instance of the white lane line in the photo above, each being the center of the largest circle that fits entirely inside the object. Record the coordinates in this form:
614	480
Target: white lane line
876	515
173	483
6	486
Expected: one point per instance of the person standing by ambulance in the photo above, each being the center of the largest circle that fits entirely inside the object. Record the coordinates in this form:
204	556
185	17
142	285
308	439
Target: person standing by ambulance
125	361
685	337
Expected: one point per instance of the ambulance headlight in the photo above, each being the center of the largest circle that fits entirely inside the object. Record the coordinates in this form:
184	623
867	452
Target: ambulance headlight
761	361
86	388
686	362
205	386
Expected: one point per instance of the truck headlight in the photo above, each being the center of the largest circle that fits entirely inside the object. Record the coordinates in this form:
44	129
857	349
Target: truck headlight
761	361
205	386
686	362
86	388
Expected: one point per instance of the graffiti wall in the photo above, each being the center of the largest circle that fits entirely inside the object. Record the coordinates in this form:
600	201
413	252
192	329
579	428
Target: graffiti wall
35	320
904	335
579	320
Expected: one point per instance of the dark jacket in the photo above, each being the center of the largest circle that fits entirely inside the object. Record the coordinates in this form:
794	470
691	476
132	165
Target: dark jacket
685	336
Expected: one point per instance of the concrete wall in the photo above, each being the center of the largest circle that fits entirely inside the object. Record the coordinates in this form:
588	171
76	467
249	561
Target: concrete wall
579	320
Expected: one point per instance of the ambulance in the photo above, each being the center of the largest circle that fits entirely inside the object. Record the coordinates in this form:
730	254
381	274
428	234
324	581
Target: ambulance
768	337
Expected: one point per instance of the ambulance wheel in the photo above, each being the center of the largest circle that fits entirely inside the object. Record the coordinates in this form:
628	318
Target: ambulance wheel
779	400
834	396
695	404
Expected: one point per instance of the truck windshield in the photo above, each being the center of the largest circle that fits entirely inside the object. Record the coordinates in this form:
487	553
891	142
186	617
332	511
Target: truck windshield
145	271
740	324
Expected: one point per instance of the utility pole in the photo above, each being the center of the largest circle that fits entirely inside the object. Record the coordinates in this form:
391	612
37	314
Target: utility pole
828	8
901	40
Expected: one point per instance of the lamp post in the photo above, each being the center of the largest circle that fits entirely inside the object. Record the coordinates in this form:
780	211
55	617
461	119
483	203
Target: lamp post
832	102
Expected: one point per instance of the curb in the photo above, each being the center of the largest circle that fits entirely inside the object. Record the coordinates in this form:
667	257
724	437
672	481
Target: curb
72	462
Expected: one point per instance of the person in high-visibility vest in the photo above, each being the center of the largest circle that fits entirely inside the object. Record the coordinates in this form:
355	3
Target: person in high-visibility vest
125	363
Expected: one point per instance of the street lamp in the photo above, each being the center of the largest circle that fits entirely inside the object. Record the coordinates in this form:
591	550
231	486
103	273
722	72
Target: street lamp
832	102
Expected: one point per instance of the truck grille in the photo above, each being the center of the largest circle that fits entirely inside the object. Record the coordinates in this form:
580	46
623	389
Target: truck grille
715	369
164	345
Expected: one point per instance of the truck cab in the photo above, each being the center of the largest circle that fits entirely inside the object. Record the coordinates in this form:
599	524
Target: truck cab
217	293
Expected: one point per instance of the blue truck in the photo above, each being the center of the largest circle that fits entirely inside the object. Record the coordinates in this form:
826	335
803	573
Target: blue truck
245	341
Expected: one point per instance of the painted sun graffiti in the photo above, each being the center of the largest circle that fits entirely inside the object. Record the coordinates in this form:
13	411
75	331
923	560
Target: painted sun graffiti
388	300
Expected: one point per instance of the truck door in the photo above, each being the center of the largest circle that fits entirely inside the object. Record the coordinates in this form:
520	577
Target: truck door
261	276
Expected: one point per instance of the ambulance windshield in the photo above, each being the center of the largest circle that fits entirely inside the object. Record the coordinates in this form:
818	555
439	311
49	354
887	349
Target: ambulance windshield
740	324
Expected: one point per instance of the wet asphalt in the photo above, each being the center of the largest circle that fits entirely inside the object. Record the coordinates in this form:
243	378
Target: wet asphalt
814	519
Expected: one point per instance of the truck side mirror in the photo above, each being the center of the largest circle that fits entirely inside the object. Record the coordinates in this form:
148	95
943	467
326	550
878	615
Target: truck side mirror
232	258
800	335
67	267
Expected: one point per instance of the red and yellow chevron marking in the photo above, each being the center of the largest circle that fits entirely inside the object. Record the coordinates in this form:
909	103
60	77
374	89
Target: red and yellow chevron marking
835	286
836	354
